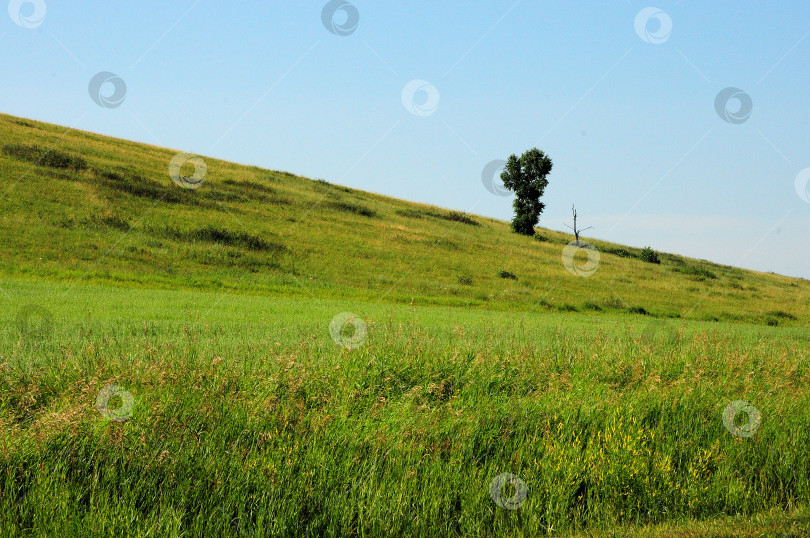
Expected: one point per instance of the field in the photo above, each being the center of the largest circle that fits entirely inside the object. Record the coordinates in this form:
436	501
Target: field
179	363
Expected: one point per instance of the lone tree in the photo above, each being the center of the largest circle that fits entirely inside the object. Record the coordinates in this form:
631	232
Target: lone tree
526	177
577	231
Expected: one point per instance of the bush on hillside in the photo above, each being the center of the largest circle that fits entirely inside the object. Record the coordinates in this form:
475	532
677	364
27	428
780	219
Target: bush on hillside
620	252
52	158
455	216
649	255
782	314
219	235
350	207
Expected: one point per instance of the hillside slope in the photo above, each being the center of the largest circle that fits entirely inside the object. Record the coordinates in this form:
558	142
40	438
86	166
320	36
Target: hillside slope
80	206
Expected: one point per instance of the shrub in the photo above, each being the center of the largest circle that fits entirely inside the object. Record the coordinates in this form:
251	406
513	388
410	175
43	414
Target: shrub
455	216
638	310
507	274
541	238
545	304
649	255
244	184
331	185
221	236
352	208
52	158
782	314
130	183
224	236
23	123
622	253
465	280
411	213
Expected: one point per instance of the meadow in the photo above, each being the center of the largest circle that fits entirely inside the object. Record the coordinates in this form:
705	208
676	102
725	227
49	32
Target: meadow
250	419
270	355
80	207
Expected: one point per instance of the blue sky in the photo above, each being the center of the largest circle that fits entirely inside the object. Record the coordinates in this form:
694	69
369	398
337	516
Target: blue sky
629	117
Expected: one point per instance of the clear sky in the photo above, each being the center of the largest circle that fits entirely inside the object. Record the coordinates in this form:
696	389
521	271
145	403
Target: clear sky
626	100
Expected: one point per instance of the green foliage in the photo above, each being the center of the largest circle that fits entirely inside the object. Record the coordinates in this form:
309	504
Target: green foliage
250	185
52	158
507	274
526	177
321	183
782	314
411	213
618	251
649	255
456	216
125	182
219	235
349	207
251	190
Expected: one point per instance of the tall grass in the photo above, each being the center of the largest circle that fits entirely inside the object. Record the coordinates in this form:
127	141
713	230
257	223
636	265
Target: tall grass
249	419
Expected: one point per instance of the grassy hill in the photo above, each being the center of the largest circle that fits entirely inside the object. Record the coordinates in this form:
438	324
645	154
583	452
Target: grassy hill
269	355
82	207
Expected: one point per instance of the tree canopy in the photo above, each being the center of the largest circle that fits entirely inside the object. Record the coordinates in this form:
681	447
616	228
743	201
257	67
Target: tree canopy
526	177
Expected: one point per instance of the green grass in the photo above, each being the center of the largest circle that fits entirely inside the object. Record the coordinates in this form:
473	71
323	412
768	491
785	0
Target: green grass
249	419
101	223
479	354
